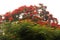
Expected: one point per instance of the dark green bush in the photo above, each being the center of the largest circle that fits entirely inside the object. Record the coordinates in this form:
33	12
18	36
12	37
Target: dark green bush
28	31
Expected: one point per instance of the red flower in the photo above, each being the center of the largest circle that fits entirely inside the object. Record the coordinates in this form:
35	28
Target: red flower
53	24
16	11
7	14
31	8
21	8
41	23
10	18
58	25
35	12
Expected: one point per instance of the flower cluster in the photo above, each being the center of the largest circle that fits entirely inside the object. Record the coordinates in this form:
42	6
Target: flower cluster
38	14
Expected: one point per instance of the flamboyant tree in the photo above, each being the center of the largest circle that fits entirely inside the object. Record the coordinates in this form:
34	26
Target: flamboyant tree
37	14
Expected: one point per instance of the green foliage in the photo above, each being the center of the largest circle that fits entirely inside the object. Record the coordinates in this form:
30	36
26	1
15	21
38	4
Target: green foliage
28	31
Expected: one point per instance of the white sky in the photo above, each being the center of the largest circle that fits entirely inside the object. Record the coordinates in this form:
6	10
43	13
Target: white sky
10	5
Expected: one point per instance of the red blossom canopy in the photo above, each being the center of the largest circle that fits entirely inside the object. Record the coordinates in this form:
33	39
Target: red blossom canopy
32	13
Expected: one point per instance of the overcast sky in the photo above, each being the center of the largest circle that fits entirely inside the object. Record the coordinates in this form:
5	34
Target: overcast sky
10	5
